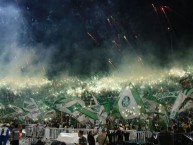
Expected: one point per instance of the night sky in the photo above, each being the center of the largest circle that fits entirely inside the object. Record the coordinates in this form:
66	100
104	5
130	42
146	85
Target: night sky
91	37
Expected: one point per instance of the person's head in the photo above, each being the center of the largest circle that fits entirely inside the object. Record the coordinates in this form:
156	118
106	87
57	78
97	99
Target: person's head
90	132
103	130
162	129
16	125
185	82
80	133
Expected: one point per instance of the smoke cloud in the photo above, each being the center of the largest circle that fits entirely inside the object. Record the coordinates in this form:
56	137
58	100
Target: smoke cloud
52	40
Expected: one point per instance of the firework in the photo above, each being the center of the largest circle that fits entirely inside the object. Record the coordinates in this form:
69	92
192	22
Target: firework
125	38
110	62
109	21
154	8
91	37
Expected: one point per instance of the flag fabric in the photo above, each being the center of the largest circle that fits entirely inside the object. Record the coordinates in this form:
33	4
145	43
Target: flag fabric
130	104
16	109
2	106
32	109
150	105
183	102
50	113
180	99
15	112
188	102
77	109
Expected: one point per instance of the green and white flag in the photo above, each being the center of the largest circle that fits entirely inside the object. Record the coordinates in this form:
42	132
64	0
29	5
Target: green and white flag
32	109
150	105
2	107
175	109
49	114
183	102
76	108
82	109
15	112
16	109
188	102
100	109
130	104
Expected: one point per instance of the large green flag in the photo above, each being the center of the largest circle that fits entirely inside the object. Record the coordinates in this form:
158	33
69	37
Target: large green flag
77	107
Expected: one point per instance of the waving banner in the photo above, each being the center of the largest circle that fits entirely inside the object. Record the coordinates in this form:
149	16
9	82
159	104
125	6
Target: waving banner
130	104
50	114
182	102
32	108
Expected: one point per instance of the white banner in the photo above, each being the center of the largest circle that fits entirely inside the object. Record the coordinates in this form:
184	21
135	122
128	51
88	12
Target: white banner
180	99
32	108
127	105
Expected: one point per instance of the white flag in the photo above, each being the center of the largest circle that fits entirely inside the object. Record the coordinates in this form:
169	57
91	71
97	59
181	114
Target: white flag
32	108
180	99
127	105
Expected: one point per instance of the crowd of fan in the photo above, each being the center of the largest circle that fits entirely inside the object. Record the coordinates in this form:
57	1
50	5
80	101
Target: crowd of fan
11	132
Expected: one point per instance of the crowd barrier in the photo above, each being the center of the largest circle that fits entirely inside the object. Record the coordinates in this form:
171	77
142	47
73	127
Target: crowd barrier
50	133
